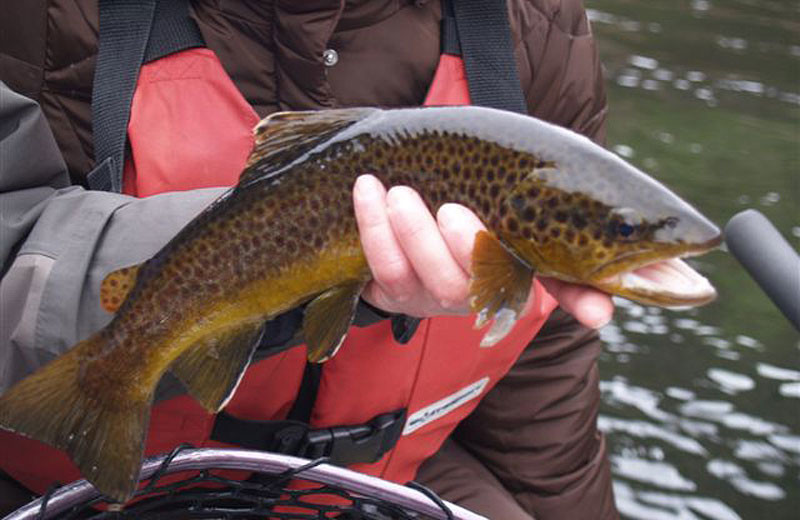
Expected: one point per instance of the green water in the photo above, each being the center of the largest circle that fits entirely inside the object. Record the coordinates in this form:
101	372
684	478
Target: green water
702	407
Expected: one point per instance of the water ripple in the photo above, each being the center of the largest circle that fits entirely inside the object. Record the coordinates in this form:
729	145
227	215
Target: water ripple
661	474
645	430
651	505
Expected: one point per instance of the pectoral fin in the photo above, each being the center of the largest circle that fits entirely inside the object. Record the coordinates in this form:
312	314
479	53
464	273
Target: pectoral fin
500	286
327	319
211	369
116	287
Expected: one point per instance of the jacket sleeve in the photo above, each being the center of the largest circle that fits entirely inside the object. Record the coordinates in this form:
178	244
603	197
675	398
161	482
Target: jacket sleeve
536	430
57	241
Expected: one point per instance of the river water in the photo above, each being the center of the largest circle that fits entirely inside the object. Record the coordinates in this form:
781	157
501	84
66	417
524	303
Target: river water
702	407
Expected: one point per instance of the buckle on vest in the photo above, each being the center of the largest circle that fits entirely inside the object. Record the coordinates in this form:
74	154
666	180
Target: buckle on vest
363	443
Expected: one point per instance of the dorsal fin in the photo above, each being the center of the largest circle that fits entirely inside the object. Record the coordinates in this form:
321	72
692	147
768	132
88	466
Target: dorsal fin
284	136
116	287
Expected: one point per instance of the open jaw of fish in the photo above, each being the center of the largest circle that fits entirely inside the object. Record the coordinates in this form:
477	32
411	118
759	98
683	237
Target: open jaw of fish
669	282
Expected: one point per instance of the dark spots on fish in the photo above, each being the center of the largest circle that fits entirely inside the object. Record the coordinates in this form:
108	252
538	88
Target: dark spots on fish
578	220
494	191
518	203
318	242
542	223
597	235
555	232
607	243
569	235
490	176
523	163
552	202
494	160
561	216
503	174
529	214
671	222
527	233
512	225
583	240
534	192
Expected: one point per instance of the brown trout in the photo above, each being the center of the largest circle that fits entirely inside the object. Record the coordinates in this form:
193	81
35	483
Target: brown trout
555	204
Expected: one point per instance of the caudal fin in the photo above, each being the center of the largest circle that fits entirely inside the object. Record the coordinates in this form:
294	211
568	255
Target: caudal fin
104	437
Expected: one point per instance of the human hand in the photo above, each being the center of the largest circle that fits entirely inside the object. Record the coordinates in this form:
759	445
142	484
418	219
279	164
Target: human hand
420	264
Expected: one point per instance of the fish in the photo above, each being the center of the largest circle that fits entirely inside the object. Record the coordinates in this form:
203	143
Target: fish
555	204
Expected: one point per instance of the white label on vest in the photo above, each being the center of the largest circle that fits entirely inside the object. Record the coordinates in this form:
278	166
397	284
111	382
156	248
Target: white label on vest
444	406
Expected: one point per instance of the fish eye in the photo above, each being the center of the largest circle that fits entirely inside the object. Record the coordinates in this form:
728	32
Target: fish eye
625	229
624	224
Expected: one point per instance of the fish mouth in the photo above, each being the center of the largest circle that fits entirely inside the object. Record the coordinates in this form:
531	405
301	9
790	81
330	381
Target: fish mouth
666	283
669	282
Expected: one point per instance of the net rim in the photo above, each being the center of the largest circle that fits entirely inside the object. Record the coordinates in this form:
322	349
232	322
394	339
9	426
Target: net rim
80	491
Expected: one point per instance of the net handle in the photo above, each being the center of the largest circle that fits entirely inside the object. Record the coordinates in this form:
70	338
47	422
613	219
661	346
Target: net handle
81	491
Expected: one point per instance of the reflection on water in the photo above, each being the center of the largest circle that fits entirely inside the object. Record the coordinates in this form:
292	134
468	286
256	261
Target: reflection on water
702	407
679	448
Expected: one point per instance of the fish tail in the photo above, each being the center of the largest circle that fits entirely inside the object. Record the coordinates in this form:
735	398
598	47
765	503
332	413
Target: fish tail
104	437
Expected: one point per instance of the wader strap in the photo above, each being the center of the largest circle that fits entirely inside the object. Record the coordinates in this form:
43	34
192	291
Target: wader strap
484	33
132	32
449	36
345	445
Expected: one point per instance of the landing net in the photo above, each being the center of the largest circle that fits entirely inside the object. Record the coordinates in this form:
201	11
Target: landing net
195	483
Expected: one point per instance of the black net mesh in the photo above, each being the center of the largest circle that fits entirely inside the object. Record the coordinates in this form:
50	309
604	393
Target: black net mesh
206	494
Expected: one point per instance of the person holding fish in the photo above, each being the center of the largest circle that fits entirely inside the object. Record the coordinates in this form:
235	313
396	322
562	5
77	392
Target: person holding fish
371	267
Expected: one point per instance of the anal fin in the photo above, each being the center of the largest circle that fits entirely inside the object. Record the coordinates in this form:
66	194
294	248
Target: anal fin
499	288
212	368
327	319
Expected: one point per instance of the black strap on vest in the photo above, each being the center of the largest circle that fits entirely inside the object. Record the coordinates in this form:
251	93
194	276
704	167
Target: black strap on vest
132	32
345	445
483	39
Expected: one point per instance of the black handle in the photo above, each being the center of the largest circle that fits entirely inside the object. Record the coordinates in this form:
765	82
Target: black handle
769	259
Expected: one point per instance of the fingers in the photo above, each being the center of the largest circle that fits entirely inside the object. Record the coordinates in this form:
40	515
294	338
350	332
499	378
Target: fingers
421	240
412	265
390	268
458	226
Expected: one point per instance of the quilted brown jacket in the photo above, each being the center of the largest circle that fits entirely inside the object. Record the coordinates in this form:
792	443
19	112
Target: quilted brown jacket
531	447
